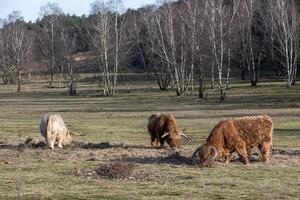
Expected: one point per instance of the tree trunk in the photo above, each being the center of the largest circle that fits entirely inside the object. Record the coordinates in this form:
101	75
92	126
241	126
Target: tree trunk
288	83
52	56
243	74
253	82
201	88
19	82
212	74
222	92
72	88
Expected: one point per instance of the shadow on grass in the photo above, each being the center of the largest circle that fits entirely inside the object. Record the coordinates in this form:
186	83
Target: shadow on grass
174	159
34	144
104	145
287	130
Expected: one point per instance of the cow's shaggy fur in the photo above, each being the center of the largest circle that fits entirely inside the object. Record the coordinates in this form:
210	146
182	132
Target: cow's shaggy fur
163	127
53	128
240	135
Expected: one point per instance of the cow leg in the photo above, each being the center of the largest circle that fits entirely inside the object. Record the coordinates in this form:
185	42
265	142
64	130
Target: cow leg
241	150
265	151
162	141
60	142
249	153
152	142
227	159
227	156
155	143
51	140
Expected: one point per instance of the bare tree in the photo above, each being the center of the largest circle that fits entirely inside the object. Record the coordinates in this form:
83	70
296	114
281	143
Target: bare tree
221	16
269	26
19	47
138	28
4	56
170	46
106	35
189	14
48	35
68	41
252	38
192	14
6	71
156	63
285	24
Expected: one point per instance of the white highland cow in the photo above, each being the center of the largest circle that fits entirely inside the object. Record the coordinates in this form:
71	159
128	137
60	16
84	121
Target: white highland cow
53	128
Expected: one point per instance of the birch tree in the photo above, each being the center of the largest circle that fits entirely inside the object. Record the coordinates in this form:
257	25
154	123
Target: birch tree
19	48
171	46
192	14
106	35
48	35
285	24
252	38
156	64
221	16
68	41
4	69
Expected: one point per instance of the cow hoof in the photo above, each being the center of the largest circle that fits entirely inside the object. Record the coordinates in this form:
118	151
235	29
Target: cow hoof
267	162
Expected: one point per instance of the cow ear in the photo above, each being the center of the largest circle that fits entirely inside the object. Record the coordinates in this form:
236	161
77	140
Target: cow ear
213	152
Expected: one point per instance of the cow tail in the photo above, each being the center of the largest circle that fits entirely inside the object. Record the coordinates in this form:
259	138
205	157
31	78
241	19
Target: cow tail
195	152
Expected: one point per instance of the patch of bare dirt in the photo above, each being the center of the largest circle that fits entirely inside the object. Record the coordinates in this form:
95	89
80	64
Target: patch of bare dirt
32	143
119	170
105	152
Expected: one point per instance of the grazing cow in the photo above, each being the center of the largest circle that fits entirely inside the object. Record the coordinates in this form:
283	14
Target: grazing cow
240	135
53	128
163	127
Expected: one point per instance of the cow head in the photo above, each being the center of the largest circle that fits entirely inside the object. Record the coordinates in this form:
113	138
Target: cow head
173	139
67	138
207	154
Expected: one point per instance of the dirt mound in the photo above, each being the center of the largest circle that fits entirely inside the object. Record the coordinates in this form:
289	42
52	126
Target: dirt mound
32	143
118	170
89	145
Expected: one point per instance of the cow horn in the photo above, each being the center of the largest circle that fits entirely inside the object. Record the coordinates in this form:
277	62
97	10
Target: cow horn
196	151
214	151
165	135
77	134
184	136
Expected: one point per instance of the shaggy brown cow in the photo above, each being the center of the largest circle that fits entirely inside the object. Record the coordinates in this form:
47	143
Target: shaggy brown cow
163	127
240	135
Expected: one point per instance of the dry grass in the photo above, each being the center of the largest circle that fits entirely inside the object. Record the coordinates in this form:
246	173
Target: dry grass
116	129
118	169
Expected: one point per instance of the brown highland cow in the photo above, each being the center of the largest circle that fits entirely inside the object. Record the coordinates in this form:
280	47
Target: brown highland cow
163	127
240	135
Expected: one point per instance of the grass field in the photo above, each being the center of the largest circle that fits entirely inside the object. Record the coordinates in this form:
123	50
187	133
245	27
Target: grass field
28	173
